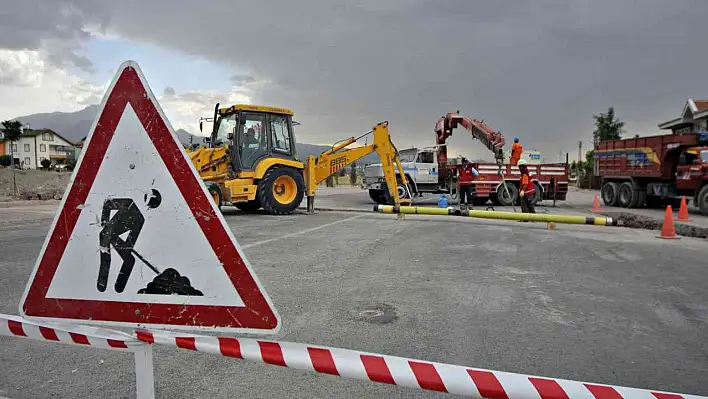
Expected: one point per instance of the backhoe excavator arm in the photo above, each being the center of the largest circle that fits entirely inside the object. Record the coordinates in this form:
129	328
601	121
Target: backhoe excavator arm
338	157
494	141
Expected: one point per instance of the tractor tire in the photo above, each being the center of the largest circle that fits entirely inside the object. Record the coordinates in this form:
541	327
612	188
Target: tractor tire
625	194
281	190
216	195
377	196
702	200
609	193
250	206
502	197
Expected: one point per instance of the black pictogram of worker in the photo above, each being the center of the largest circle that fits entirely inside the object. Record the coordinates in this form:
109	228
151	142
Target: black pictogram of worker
127	219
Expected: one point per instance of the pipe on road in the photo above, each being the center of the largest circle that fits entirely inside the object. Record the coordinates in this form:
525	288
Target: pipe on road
418	210
534	217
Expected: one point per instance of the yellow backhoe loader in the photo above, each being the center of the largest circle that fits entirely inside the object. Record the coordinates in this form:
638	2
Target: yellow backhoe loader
250	160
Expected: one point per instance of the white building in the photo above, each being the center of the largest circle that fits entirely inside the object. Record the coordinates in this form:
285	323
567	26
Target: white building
694	118
37	145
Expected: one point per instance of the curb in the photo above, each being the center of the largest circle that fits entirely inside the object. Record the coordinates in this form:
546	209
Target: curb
634	221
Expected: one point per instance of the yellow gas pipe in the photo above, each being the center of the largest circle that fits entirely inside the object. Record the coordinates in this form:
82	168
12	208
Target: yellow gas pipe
534	217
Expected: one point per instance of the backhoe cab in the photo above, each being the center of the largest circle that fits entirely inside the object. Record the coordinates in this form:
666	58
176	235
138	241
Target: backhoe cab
250	159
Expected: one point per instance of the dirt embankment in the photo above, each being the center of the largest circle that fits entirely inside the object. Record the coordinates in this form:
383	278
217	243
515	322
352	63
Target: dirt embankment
34	184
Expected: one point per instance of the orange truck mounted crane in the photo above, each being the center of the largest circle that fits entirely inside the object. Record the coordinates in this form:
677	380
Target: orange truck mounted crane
429	170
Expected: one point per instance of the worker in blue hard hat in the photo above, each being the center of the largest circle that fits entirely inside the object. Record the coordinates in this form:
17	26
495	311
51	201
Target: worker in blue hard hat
516	150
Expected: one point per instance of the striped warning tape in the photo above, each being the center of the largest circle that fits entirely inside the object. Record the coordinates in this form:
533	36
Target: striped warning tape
410	373
73	334
346	363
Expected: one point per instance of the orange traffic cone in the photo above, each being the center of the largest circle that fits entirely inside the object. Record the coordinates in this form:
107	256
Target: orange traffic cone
683	211
596	204
668	230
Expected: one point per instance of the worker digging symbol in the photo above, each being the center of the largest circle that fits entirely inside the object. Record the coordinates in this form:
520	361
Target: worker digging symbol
129	219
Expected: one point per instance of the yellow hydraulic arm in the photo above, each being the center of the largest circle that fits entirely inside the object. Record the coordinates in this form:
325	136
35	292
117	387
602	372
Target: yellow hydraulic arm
338	157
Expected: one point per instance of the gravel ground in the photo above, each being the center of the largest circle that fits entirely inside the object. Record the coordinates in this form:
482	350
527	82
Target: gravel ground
48	184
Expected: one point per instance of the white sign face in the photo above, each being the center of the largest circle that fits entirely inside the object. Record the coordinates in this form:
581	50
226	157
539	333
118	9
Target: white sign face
133	227
138	240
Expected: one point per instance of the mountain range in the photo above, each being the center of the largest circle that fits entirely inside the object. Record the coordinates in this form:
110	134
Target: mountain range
75	126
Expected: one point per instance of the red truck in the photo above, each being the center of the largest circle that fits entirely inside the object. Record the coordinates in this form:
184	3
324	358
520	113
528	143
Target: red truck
654	171
428	170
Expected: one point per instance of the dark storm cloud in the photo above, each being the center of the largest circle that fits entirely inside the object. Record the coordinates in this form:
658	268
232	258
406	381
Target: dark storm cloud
536	69
56	26
241	80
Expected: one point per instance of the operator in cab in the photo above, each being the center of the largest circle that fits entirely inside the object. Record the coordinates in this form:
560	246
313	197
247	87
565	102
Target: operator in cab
465	181
527	190
516	150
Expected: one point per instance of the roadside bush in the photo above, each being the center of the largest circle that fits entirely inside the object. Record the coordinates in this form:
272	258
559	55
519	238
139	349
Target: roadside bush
46	163
5	160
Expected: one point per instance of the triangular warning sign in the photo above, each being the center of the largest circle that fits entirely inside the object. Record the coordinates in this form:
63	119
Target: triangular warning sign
137	240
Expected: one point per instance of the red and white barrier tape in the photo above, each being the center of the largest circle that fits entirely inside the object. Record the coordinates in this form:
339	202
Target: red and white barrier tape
410	373
15	326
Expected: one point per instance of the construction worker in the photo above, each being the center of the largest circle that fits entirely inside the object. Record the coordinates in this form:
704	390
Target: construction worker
516	150
465	182
527	189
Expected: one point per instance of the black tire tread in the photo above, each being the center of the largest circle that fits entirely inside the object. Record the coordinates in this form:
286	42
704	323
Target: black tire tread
615	193
625	186
702	200
213	187
265	190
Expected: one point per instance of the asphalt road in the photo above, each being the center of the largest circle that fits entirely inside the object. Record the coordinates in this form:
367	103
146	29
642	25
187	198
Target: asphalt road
599	304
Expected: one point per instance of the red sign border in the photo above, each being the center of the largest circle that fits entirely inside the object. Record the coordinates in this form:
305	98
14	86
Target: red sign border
257	314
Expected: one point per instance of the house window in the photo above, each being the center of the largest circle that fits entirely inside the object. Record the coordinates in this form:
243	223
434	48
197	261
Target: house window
27	148
14	147
28	161
43	148
47	137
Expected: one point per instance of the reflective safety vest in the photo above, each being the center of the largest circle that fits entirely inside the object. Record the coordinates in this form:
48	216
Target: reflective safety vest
467	175
527	185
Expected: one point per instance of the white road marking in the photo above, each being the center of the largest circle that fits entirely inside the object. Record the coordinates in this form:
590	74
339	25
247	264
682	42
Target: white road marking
257	243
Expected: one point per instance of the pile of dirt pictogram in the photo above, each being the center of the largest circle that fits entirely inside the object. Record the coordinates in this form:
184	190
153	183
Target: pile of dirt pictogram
170	282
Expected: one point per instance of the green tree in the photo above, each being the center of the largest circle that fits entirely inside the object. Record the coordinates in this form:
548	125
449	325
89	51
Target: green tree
589	163
352	174
12	130
607	126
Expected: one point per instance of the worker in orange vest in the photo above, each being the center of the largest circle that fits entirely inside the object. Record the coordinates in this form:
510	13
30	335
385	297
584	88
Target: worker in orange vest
527	189
516	150
465	181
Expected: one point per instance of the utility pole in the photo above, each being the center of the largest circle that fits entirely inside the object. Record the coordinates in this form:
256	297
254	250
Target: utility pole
580	157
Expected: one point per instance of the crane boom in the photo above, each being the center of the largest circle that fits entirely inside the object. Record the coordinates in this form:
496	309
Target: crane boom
494	141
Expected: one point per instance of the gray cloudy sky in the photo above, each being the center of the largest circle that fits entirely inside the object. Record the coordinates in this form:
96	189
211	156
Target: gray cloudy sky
536	69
